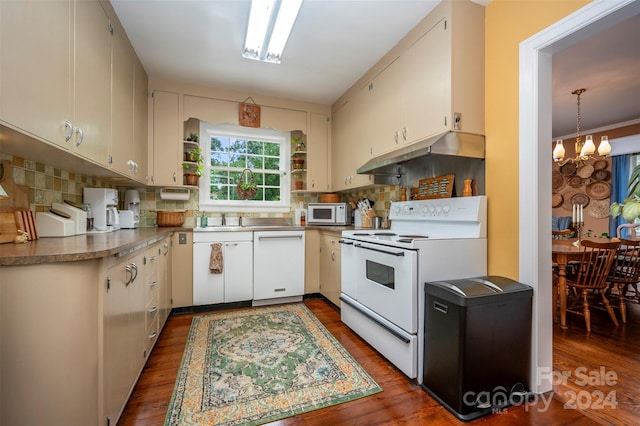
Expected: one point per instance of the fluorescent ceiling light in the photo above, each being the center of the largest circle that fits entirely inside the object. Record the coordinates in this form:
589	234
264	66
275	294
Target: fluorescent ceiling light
270	23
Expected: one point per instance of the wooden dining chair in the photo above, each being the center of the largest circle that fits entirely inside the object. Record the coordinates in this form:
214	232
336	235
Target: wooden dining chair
590	280
624	274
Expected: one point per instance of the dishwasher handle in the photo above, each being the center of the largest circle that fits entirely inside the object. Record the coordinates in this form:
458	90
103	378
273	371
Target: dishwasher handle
280	237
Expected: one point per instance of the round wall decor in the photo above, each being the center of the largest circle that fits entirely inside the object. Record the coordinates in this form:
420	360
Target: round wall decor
598	190
580	198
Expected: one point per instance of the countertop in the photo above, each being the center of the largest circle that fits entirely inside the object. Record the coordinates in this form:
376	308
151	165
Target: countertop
81	247
94	246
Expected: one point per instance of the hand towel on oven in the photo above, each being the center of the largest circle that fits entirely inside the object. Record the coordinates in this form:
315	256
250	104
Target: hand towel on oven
216	261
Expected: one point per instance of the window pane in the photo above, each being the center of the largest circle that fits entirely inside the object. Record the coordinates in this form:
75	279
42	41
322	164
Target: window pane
272	179
230	154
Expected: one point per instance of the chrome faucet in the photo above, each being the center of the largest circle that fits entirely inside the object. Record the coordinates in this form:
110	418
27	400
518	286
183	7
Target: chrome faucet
223	222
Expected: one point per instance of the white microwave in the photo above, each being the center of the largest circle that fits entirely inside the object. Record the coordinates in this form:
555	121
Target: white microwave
329	214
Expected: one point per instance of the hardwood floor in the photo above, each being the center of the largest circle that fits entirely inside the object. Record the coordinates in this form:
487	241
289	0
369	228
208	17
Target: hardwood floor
404	402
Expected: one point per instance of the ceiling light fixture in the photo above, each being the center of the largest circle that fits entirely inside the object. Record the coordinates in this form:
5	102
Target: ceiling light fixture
270	23
584	150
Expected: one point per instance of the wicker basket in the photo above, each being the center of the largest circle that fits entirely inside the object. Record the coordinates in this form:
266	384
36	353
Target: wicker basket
246	194
170	217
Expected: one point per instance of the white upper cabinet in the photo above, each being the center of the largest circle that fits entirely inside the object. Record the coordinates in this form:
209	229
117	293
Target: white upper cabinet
164	152
349	148
92	82
36	68
437	77
128	152
318	153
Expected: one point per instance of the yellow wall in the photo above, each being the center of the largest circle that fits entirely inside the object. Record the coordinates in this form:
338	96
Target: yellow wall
508	22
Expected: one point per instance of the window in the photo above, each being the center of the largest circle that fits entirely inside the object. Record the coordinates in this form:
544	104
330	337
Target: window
232	152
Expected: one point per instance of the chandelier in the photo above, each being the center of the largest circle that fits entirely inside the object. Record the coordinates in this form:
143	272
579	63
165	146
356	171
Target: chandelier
584	150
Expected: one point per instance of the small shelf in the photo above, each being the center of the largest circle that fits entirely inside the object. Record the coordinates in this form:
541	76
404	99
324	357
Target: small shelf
294	153
192	143
294	171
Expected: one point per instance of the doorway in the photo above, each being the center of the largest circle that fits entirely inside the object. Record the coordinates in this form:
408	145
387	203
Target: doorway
535	162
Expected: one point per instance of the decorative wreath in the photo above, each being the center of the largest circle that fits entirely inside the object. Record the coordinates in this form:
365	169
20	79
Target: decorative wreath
246	187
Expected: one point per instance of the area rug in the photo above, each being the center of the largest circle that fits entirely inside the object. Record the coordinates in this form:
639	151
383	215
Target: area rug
258	365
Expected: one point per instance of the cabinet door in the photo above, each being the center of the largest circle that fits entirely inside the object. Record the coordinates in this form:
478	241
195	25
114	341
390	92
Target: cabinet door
92	82
140	121
166	139
122	142
348	150
278	264
283	119
426	92
35	67
385	108
238	271
122	342
213	111
330	268
318	153
164	278
208	288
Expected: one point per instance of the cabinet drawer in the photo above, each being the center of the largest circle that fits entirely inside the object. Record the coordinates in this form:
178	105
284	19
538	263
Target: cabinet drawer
151	312
152	290
151	335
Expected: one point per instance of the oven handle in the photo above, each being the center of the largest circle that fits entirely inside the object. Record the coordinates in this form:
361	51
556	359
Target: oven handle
392	253
377	321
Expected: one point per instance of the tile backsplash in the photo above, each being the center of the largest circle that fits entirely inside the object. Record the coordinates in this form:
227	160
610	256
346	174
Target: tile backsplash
50	184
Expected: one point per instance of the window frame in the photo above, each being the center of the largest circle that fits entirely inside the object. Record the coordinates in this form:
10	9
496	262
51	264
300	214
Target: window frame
207	131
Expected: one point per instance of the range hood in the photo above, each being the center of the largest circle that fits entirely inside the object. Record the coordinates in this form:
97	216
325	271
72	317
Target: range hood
449	143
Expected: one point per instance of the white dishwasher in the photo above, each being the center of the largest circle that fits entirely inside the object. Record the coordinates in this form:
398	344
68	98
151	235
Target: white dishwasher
235	283
278	266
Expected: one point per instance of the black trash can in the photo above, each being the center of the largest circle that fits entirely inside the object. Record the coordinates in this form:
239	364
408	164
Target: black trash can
477	340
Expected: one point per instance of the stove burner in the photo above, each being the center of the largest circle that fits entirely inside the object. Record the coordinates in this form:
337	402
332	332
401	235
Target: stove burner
361	234
405	240
414	236
384	234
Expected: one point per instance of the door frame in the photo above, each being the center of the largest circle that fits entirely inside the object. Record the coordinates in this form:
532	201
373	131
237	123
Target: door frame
535	138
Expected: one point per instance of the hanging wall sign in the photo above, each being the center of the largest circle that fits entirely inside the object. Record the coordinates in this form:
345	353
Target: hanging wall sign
249	113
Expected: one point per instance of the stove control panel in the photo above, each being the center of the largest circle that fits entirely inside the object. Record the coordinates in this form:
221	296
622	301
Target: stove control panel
454	209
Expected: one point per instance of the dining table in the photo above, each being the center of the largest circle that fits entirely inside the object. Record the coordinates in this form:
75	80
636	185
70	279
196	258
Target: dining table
563	252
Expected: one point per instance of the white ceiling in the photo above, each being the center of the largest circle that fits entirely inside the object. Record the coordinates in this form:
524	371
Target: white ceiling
334	42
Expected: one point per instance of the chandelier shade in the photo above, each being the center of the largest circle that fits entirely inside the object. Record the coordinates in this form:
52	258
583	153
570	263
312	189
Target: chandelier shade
584	150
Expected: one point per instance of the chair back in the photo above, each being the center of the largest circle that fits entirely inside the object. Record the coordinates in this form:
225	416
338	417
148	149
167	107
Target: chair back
626	264
595	264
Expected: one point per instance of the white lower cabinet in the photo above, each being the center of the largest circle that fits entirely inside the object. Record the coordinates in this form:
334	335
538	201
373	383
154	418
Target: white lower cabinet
134	289
235	282
330	266
278	264
124	302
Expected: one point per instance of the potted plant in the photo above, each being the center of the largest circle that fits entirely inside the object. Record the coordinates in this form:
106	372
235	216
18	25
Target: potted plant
246	187
194	167
298	185
193	137
298	144
630	207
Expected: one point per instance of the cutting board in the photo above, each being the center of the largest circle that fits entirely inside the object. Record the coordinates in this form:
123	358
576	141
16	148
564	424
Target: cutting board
8	228
18	194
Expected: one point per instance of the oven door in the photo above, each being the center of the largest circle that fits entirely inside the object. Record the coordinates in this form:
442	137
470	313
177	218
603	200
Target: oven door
387	282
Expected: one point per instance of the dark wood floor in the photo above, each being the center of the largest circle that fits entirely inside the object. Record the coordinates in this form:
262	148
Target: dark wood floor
404	402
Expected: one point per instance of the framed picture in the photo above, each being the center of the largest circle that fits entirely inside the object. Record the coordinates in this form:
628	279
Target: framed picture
249	115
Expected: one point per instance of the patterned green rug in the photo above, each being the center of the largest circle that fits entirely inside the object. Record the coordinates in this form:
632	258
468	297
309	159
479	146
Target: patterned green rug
259	365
